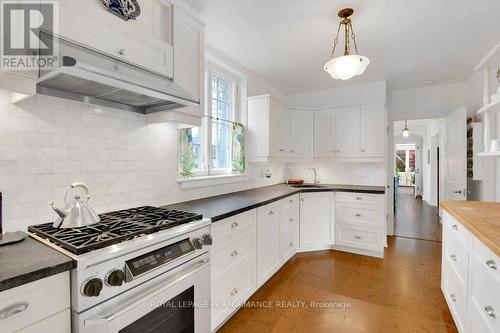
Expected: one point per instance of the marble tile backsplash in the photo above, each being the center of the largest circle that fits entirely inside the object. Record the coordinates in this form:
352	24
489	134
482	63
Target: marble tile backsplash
47	143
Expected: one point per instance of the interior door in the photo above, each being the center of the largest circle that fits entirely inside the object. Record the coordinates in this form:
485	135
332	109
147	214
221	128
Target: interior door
456	155
348	131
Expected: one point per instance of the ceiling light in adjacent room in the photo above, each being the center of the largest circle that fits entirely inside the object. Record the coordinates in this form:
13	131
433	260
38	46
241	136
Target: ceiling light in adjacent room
406	131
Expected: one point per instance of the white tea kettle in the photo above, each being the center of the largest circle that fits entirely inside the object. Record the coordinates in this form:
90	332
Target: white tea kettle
77	213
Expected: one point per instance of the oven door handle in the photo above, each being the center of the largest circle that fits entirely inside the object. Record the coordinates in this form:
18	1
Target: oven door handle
100	319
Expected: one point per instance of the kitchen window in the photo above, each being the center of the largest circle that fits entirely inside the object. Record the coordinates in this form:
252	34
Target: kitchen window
215	148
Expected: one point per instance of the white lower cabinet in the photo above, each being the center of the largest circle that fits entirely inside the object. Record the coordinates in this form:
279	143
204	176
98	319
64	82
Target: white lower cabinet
315	220
470	279
360	223
39	306
233	264
268	245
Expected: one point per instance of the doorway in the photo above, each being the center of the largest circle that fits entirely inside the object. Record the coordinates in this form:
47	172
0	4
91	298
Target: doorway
416	179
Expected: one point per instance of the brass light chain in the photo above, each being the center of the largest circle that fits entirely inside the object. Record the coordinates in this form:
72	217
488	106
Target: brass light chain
336	40
353	36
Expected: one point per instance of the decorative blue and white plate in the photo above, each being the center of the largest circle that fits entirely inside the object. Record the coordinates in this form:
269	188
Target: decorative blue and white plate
124	9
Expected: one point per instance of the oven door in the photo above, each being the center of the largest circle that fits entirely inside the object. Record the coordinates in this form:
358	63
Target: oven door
177	301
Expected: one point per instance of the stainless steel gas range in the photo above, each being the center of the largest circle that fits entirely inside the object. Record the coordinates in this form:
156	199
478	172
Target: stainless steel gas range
141	270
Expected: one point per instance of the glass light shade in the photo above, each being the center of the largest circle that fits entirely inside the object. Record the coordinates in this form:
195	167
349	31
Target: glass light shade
347	66
406	132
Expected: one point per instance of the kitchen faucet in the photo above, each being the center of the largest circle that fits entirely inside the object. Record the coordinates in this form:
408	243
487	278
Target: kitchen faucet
316	179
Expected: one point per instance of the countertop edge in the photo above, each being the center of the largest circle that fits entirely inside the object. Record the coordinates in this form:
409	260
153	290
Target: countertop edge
481	236
28	277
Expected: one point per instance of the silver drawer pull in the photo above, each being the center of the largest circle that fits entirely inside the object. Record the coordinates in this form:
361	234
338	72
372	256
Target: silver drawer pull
357	237
290	201
453	298
234	291
455	227
270	213
291	244
489	310
290	219
121	52
234	225
358	215
282	150
359	198
492	264
12	309
234	253
453	257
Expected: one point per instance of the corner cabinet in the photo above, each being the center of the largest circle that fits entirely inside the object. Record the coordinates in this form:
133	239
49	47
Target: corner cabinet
276	132
316	220
356	133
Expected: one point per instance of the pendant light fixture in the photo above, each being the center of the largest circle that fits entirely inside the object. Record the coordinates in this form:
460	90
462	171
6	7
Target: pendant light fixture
406	131
349	65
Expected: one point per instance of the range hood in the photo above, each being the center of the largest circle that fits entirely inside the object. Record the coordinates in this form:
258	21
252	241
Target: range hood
87	75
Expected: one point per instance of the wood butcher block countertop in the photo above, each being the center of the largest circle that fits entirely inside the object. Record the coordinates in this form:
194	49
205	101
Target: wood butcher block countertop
481	218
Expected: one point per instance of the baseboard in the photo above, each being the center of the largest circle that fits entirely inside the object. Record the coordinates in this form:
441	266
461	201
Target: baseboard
358	251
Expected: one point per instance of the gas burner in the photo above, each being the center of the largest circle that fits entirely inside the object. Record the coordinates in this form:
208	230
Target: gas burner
115	227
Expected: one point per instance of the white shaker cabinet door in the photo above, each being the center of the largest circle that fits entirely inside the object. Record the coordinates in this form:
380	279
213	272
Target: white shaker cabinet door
279	129
301	128
373	130
324	133
268	244
347	131
315	220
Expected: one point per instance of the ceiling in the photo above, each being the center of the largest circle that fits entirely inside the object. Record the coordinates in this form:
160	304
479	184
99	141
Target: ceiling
286	42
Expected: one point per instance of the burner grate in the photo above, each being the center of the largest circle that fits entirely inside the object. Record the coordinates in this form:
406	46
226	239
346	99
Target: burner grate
115	227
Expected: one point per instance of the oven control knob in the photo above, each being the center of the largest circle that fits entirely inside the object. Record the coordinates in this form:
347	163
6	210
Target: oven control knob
92	287
207	239
197	243
115	278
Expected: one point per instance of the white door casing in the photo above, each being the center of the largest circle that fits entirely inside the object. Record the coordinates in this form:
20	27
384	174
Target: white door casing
455	174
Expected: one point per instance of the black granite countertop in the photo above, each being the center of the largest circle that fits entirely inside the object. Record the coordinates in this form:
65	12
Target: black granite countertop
226	205
28	261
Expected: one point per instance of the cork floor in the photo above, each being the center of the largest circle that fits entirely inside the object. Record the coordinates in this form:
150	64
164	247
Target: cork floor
415	218
331	291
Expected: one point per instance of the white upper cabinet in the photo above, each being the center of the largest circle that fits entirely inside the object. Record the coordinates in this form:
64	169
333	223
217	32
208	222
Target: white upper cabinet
373	130
145	41
301	127
324	133
347	132
276	132
189	53
354	133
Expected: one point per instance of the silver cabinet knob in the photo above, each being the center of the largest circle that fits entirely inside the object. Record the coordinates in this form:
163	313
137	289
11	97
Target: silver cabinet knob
359	198
453	298
290	201
455	227
234	291
290	219
358	215
453	257
357	237
234	225
282	150
362	150
290	244
292	151
234	253
489	310
121	52
302	199
270	213
492	264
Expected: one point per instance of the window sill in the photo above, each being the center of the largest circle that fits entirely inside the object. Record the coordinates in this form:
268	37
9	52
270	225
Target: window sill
204	181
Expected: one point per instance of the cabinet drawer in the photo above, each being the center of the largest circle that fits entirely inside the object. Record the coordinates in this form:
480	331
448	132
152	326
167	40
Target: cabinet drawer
231	229
58	323
455	294
290	222
228	298
34	301
361	215
458	229
225	259
360	198
358	237
484	288
477	322
290	204
289	245
455	251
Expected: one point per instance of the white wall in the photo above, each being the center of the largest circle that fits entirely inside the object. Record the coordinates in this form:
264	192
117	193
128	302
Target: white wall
351	95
